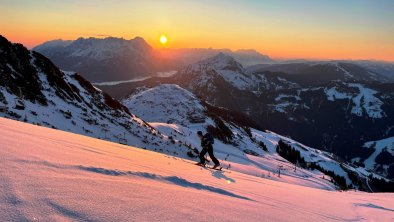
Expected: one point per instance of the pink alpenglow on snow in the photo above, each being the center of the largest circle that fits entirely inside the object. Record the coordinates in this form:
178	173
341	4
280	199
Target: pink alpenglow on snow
51	175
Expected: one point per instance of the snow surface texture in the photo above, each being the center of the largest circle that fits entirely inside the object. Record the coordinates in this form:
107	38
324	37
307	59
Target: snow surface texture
51	175
167	108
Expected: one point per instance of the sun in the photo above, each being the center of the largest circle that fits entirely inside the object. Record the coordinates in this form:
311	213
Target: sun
163	39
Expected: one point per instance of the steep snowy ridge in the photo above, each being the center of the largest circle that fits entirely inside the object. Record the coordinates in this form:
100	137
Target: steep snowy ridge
34	90
51	175
167	108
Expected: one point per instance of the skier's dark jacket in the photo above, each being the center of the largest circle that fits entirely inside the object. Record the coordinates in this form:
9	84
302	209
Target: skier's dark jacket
206	141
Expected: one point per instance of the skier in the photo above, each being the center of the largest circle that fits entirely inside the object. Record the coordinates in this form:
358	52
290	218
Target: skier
206	144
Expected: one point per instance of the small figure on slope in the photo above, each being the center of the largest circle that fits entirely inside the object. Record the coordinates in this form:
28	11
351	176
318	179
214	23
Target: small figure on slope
206	144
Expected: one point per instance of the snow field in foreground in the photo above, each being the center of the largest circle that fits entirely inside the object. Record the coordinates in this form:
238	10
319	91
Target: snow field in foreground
50	175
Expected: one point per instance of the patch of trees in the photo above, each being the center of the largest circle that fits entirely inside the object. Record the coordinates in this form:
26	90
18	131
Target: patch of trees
354	177
338	180
390	172
263	146
384	158
220	131
381	185
289	153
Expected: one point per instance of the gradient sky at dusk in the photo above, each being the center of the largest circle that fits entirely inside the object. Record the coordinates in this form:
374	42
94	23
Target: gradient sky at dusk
337	29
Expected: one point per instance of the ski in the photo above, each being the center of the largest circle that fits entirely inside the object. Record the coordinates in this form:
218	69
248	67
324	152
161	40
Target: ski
217	168
211	168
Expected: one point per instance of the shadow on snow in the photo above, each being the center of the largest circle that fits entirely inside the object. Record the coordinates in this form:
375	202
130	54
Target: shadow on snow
170	179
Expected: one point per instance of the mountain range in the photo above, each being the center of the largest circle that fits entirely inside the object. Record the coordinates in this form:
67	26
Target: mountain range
116	59
334	106
165	119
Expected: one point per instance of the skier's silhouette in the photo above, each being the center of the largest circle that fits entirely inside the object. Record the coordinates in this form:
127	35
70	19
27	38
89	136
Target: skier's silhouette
206	144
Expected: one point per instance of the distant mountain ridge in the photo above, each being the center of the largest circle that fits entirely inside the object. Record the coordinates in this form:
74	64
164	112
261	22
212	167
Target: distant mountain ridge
117	59
100	60
187	56
325	71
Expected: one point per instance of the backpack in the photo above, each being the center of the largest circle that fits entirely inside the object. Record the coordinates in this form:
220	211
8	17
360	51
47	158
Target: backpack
210	138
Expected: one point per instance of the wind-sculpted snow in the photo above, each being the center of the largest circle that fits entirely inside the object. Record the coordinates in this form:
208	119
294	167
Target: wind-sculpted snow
51	175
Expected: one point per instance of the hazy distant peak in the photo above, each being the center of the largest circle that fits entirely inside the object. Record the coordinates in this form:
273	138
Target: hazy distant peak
247	51
53	44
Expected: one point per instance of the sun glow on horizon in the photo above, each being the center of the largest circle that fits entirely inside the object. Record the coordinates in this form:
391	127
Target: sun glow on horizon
163	39
284	29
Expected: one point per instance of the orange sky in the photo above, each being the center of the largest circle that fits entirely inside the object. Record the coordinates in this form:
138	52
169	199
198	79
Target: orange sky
356	29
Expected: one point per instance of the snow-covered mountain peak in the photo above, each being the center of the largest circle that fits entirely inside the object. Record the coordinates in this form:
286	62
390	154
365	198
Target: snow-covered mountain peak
166	103
97	48
103	59
222	61
221	66
101	49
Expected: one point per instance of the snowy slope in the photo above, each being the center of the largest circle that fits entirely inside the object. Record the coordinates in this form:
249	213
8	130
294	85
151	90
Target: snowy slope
382	157
167	108
51	175
363	99
151	103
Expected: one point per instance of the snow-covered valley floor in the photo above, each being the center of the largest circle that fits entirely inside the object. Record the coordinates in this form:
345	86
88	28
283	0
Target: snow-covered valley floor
51	175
